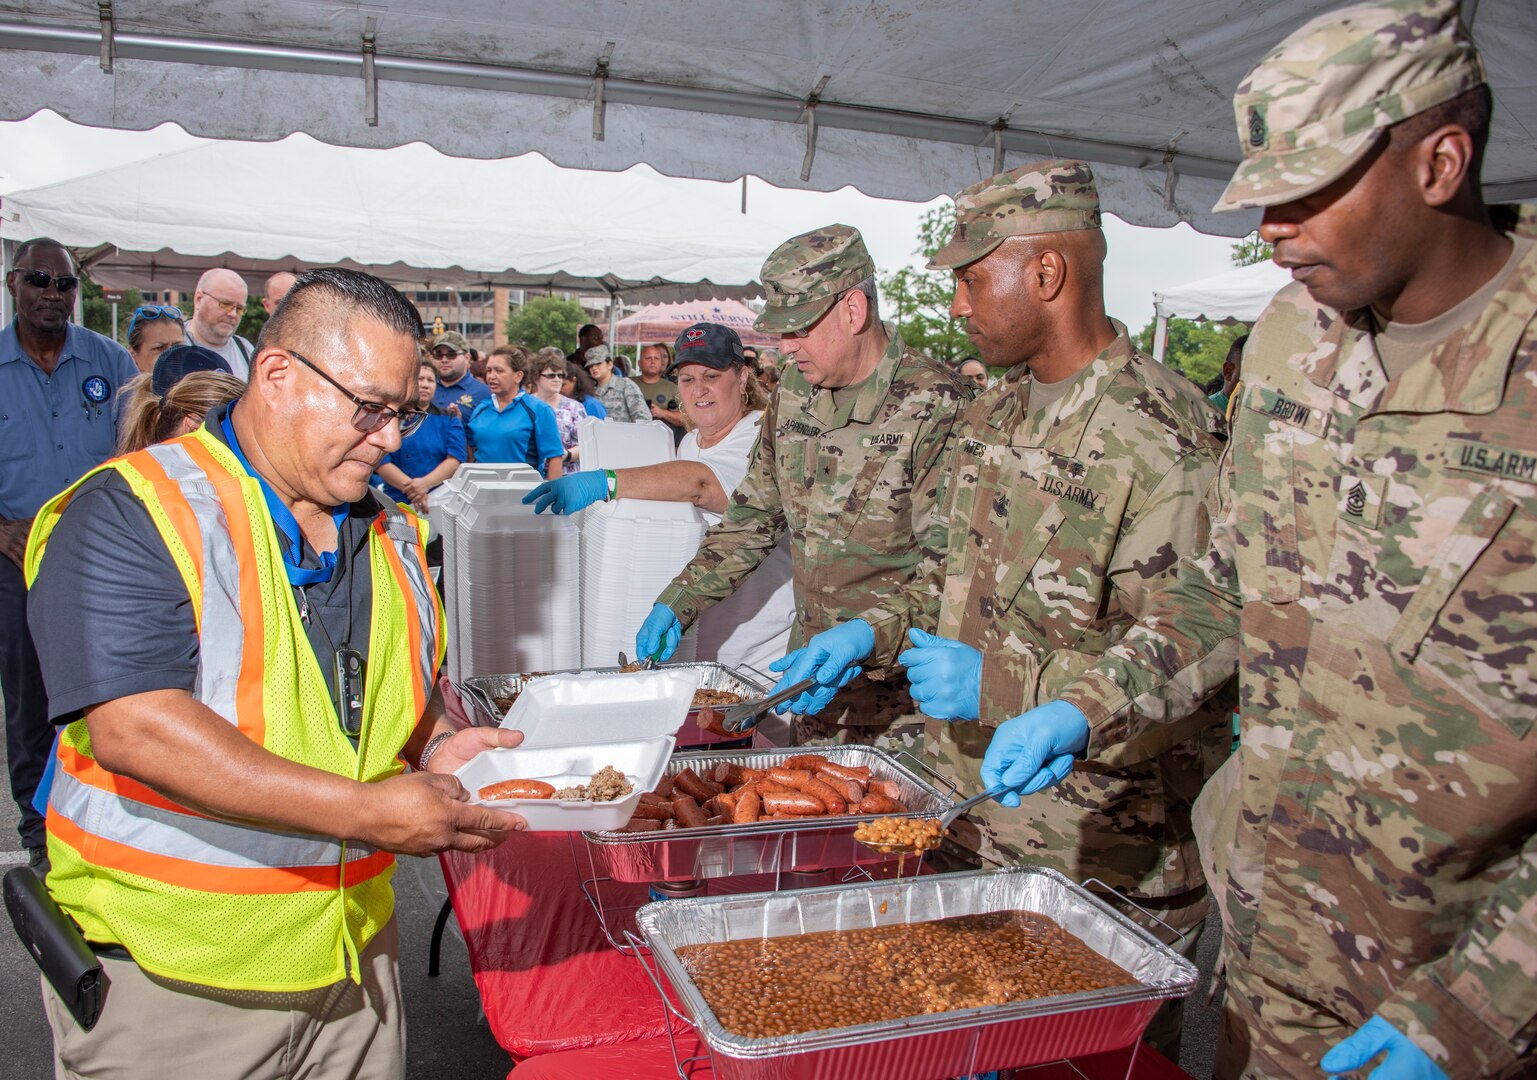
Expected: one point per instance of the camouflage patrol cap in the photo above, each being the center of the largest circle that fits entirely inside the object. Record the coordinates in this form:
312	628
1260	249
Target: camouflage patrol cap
1315	104
453	339
1042	197
803	276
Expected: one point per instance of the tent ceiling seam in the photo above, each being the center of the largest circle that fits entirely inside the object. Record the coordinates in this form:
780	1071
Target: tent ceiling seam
866	118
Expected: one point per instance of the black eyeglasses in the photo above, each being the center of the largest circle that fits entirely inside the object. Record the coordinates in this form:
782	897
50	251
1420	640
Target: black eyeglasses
41	279
370	415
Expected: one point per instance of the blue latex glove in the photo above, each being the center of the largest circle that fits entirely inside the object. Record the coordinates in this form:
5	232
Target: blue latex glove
831	658
1035	750
659	635
569	493
1404	1060
945	676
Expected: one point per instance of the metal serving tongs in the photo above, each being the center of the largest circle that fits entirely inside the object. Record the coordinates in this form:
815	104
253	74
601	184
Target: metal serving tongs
645	665
738	718
926	837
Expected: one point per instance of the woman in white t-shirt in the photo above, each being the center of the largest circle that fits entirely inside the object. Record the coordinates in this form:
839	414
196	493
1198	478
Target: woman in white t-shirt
722	403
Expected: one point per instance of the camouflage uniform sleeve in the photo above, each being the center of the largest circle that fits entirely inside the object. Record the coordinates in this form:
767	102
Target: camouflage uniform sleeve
917	604
1183	647
1474	1010
745	536
1174	520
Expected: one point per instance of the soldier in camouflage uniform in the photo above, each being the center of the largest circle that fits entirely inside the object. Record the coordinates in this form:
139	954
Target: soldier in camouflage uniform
1077	485
1374	840
846	462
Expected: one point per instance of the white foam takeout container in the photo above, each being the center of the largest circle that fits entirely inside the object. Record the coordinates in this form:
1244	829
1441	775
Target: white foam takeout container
574	724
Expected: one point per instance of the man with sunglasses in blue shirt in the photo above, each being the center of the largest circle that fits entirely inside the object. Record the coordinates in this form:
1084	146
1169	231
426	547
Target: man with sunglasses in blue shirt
57	382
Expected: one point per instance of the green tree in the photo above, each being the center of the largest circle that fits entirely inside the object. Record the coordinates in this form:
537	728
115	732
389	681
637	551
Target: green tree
1250	250
97	309
546	320
921	298
252	319
1195	349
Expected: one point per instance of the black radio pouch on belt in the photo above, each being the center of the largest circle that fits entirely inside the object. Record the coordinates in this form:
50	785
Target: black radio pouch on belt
54	941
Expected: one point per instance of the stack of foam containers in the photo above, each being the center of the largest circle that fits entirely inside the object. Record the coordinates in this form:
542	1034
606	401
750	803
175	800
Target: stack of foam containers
513	578
631	548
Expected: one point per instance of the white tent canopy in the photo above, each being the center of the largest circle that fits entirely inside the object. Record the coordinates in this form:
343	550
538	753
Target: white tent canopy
902	100
410	214
1239	295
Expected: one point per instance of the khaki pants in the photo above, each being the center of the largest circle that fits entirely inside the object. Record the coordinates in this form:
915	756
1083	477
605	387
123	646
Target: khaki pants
153	1028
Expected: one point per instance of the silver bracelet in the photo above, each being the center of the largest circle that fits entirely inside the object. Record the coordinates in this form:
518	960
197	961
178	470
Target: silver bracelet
432	748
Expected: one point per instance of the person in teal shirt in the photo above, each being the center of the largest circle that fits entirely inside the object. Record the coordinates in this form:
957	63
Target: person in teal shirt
512	424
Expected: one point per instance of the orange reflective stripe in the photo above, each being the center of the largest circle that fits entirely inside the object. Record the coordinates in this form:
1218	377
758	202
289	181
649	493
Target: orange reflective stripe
89	771
250	704
174	504
201	877
413	626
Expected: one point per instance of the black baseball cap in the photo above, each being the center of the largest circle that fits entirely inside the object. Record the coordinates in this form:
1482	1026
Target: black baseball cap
174	365
707	343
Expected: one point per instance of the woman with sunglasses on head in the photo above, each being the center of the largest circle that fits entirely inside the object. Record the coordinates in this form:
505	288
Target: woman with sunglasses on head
153	329
550	376
512	424
430	454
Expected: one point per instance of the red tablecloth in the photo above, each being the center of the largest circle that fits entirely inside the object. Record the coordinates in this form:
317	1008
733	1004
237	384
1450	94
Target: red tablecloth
548	978
652	1059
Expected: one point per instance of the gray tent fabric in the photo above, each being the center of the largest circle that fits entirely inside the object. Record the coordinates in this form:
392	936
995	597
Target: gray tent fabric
902	100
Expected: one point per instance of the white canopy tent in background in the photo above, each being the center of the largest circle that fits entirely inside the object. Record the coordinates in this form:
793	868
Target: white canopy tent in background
902	100
412	215
664	322
1239	295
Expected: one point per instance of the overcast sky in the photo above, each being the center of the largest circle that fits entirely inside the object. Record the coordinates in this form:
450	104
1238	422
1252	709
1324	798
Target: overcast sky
46	149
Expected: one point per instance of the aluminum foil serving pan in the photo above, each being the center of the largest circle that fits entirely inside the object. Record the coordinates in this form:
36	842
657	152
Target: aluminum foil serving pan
960	1042
482	692
763	847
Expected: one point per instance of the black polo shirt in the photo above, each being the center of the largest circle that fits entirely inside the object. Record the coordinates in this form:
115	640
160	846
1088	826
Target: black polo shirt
111	616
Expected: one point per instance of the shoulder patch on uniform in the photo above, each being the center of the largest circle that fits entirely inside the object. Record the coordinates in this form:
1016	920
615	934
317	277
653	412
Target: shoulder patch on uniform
885	438
1491	459
1278	406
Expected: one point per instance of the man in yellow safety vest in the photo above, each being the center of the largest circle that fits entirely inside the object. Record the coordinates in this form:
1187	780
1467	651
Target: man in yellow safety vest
241	644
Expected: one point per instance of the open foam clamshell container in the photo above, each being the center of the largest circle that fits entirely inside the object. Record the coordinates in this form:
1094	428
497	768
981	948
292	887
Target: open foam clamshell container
920	1047
574	724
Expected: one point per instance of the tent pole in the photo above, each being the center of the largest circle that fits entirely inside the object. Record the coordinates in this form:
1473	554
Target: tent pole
7	260
613	318
1160	337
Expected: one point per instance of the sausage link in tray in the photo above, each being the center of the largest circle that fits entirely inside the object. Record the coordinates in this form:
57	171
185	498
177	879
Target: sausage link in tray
763	847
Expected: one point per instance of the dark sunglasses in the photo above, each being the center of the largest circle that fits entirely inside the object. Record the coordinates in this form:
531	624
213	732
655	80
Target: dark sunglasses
446	353
41	279
553	375
370	415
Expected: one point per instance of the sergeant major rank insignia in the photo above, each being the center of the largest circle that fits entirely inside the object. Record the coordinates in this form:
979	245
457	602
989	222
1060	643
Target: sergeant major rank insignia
1259	131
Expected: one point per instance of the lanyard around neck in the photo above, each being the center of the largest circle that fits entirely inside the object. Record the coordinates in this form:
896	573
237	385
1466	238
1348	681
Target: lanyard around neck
283	518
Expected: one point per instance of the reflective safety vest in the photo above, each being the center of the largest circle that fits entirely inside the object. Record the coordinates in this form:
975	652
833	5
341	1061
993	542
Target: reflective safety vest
194	897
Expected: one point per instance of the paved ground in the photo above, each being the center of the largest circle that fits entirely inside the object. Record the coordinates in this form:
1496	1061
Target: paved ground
446	1035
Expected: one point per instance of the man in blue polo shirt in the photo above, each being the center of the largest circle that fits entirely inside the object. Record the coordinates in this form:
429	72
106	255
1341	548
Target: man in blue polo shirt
57	421
458	391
